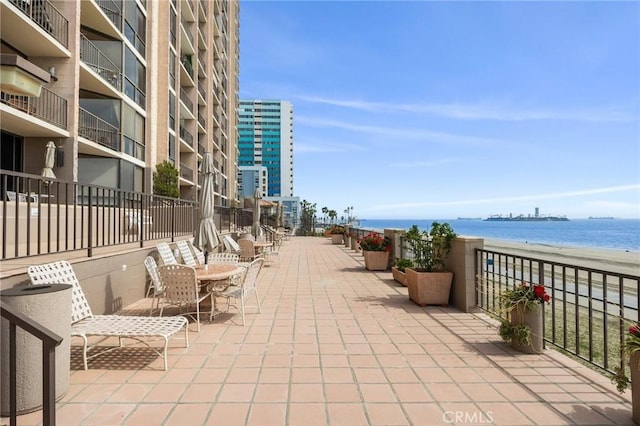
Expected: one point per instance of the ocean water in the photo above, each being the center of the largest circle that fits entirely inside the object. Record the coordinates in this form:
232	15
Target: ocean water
618	234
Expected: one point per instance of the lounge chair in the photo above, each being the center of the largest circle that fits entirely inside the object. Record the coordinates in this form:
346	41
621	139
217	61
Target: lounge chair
85	325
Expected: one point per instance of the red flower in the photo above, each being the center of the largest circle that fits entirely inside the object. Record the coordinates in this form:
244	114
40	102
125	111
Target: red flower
635	330
540	293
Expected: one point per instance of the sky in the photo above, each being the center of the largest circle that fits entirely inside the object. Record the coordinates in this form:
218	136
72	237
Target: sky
434	109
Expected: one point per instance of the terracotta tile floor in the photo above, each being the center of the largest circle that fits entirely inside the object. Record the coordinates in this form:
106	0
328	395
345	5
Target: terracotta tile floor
336	344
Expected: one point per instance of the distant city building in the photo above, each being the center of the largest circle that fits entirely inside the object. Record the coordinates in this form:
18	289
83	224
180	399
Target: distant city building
265	138
290	210
250	178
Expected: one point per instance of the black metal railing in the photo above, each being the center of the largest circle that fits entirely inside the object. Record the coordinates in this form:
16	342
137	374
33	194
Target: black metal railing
186	135
186	172
590	309
97	130
100	63
41	216
184	97
45	14
113	10
50	341
48	106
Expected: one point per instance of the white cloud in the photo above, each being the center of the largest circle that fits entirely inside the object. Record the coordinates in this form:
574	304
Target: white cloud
502	111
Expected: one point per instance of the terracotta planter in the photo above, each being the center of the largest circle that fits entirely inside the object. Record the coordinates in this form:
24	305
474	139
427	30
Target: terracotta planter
336	238
327	233
399	276
376	260
429	288
635	386
533	319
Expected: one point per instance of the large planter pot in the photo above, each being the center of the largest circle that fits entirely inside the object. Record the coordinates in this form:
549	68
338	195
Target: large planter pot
354	243
336	238
376	260
399	276
532	319
635	386
347	241
327	233
429	288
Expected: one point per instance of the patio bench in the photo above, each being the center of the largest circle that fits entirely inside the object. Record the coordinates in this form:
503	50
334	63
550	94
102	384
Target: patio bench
85	325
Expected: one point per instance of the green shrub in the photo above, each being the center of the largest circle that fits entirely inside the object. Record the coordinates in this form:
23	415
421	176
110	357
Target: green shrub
165	180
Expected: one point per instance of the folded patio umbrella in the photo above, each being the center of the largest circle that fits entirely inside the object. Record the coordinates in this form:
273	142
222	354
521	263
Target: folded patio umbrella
49	161
206	235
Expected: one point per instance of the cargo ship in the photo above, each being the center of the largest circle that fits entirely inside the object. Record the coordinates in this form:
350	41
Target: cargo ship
536	217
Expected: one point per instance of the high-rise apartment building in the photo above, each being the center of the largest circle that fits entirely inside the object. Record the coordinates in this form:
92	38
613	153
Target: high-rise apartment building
265	138
126	84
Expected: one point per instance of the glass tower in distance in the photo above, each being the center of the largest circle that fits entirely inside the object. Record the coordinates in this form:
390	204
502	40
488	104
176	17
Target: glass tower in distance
265	139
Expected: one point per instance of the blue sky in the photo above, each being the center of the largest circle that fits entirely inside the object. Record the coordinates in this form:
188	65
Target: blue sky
446	109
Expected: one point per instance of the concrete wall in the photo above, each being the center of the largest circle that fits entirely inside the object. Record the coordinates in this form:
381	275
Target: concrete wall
110	282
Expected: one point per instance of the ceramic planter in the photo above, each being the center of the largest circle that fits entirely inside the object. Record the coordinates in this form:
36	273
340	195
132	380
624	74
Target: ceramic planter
336	238
354	243
635	386
429	288
533	319
399	276
376	260
347	241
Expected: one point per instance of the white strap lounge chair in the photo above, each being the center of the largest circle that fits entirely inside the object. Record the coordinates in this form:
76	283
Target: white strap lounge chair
85	325
185	252
197	252
164	250
156	288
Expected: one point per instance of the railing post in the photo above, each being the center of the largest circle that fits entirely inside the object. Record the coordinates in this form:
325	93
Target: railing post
48	384
90	225
173	220
141	220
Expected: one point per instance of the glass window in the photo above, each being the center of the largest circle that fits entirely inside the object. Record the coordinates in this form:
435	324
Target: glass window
133	131
135	78
135	26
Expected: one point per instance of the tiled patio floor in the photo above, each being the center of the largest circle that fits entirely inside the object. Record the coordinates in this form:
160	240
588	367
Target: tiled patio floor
339	345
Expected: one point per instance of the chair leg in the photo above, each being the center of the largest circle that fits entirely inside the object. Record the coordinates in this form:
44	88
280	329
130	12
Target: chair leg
242	309
258	300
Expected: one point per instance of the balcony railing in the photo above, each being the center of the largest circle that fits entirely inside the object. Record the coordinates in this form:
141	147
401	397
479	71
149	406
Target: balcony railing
97	130
45	14
48	106
184	97
100	63
113	10
202	90
185	60
589	311
186	172
202	120
186	136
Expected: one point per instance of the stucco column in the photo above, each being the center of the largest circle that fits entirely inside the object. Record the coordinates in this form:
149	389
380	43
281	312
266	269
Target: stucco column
461	261
395	235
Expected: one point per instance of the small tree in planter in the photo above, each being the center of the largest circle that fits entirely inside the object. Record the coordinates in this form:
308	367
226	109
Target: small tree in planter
428	283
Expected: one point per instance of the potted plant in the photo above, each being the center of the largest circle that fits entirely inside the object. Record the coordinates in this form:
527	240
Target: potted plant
398	270
524	327
630	355
337	233
375	249
428	283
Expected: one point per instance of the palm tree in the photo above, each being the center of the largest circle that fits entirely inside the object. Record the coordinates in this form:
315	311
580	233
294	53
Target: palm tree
325	210
332	216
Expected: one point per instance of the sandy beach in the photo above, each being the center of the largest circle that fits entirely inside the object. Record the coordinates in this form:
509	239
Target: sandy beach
626	262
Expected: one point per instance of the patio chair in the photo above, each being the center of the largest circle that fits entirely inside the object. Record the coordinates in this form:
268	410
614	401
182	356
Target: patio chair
197	252
164	250
230	245
185	252
155	284
181	289
248	287
86	325
248	251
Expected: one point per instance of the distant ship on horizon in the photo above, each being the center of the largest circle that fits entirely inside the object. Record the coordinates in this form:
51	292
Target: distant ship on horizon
537	217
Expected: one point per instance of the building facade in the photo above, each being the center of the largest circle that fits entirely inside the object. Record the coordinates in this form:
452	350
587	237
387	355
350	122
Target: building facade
131	83
265	138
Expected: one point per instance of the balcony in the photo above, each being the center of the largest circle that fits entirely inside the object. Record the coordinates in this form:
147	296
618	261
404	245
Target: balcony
186	136
337	345
186	105
18	32
186	172
104	16
186	71
48	107
100	65
97	130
